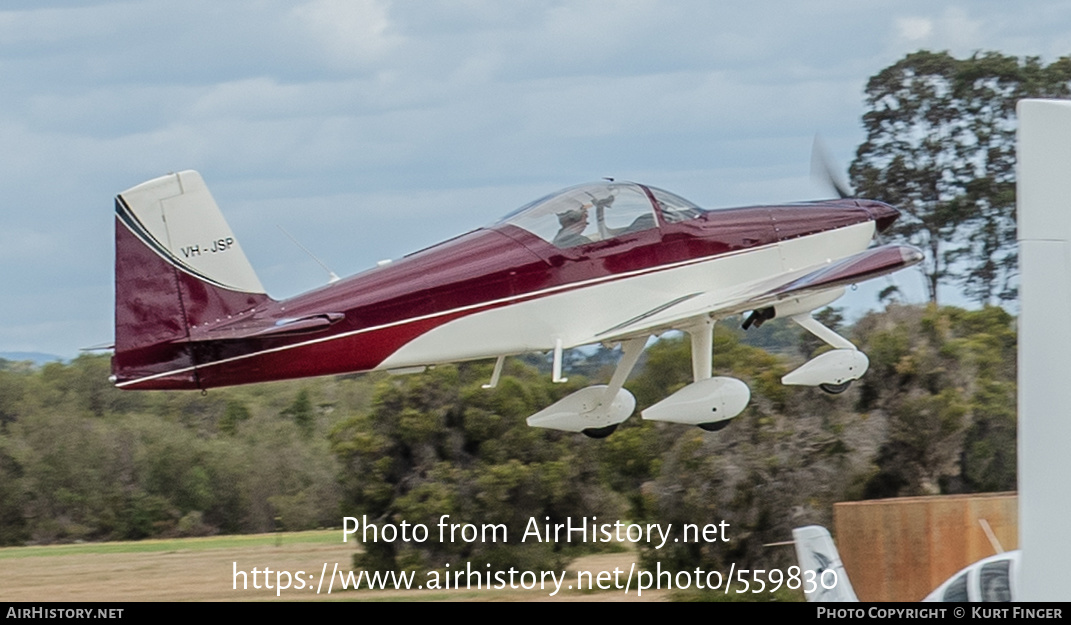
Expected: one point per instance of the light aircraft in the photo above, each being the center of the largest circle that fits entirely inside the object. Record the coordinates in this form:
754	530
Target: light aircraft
991	579
607	262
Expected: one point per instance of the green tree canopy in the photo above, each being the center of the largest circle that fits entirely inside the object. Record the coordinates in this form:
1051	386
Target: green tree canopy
438	444
941	146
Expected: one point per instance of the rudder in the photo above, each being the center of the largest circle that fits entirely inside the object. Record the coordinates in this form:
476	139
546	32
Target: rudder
177	265
817	556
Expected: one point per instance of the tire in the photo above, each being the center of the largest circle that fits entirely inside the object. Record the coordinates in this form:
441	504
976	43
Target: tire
602	432
715	426
835	389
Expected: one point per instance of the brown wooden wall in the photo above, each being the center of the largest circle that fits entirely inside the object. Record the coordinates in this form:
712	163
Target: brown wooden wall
901	549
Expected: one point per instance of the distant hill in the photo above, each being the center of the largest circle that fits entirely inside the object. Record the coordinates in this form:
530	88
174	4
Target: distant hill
37	358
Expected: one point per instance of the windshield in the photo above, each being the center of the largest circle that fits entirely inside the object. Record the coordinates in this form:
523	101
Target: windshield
586	213
675	208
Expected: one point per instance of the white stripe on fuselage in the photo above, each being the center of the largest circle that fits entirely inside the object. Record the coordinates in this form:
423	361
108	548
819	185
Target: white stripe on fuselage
532	321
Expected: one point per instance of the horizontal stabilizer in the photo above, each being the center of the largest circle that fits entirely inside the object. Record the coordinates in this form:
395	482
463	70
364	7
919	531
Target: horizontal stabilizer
257	328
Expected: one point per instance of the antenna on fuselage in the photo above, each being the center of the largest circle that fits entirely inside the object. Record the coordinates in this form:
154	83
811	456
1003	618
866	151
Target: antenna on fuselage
333	277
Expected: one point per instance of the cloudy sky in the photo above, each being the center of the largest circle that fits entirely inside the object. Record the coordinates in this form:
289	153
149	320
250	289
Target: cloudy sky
370	128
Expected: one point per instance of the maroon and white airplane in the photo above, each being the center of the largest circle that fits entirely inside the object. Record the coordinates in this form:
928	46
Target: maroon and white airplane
607	262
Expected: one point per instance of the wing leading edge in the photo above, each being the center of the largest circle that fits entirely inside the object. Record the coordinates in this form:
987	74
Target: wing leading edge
865	265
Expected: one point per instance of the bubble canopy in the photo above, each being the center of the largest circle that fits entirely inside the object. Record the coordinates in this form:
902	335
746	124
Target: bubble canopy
598	211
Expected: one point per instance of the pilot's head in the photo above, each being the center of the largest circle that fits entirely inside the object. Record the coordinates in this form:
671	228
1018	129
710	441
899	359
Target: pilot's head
572	216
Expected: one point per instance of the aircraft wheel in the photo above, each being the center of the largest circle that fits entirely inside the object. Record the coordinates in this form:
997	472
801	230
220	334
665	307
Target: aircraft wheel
602	432
835	389
715	426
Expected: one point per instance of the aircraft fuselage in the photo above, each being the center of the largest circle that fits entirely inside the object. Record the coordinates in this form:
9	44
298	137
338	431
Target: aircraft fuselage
492	291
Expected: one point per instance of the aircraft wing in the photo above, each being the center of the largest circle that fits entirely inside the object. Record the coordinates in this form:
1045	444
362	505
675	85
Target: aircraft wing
865	265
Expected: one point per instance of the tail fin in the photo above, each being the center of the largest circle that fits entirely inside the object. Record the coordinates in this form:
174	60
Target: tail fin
177	265
817	554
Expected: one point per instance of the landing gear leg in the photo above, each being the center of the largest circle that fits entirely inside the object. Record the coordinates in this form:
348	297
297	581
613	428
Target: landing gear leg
812	325
708	402
832	371
596	410
630	355
702	335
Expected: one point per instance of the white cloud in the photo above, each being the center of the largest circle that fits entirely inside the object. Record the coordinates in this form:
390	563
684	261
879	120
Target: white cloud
955	29
447	112
352	33
914	29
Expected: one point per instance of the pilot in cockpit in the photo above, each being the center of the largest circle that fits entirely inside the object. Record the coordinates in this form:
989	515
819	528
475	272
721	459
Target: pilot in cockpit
573	223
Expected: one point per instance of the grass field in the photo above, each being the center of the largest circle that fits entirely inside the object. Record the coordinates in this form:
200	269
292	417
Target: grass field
202	569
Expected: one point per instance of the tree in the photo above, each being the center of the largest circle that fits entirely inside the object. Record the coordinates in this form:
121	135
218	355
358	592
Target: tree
944	380
941	146
780	464
235	413
438	444
302	413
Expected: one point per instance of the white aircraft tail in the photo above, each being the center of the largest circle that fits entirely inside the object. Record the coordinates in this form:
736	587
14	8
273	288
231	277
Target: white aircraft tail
178	267
820	563
176	215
